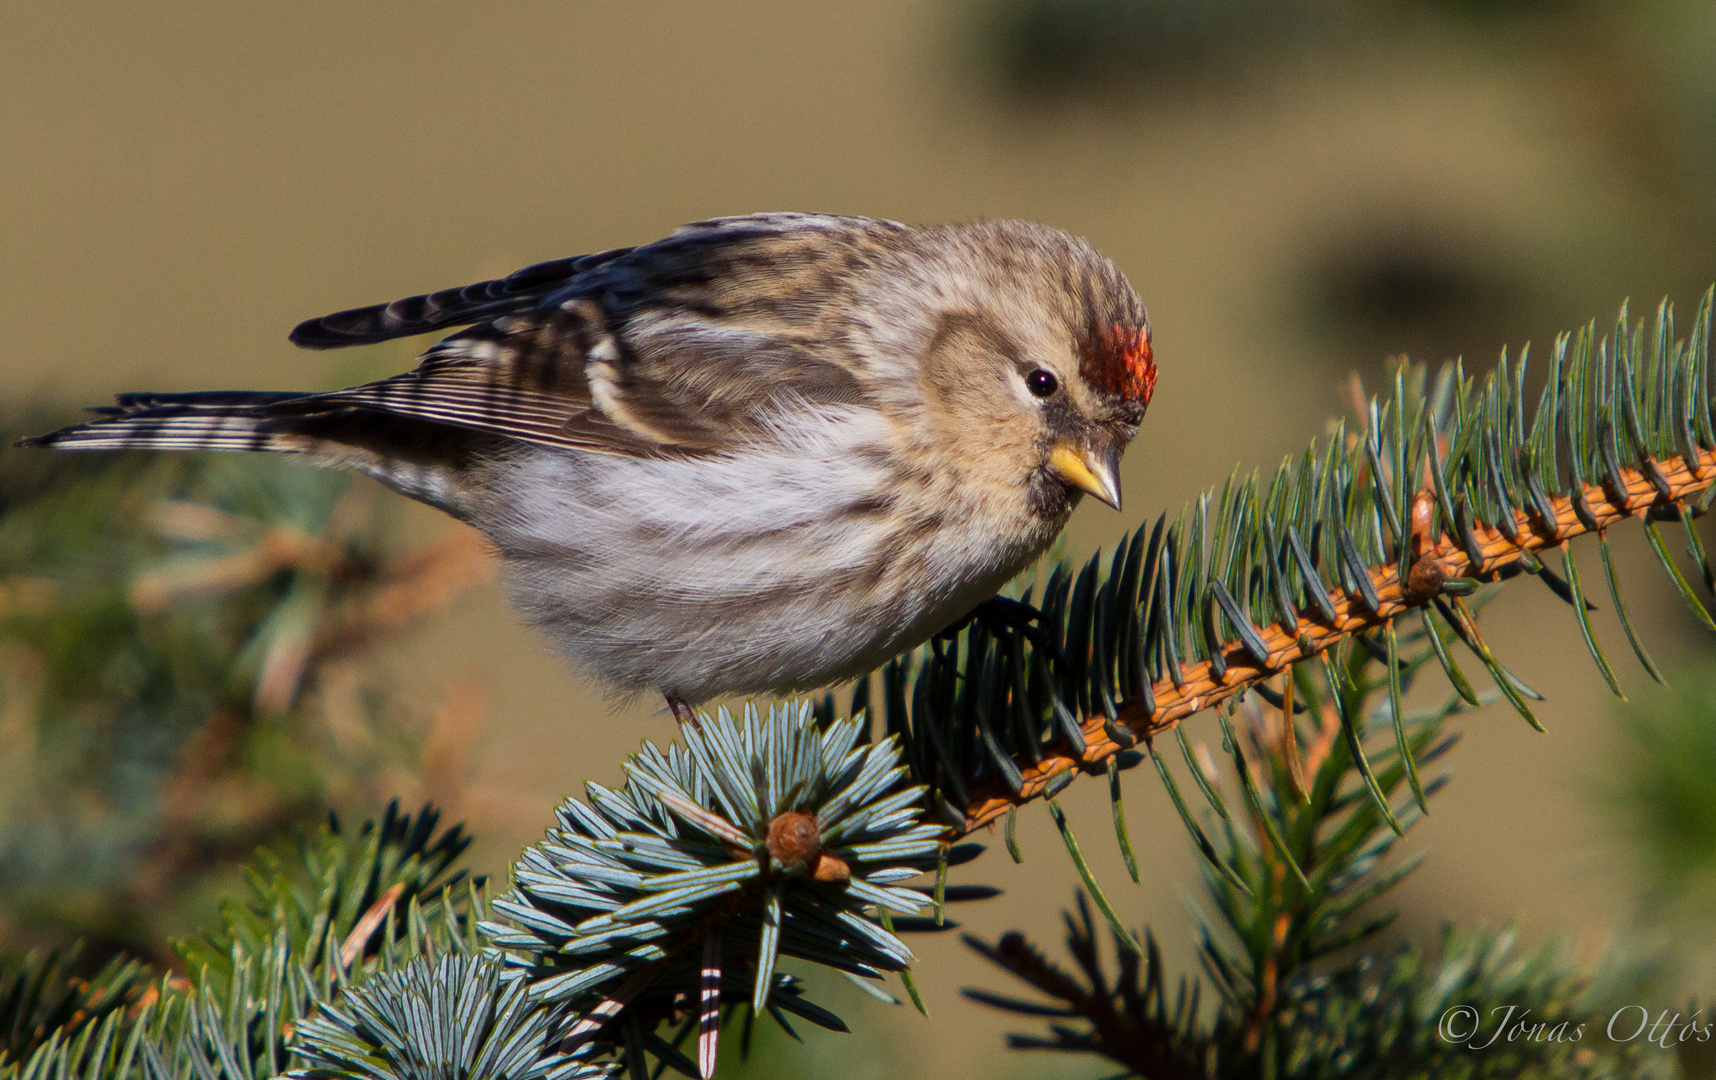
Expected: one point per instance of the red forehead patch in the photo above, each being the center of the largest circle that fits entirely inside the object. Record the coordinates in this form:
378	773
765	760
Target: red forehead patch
1118	361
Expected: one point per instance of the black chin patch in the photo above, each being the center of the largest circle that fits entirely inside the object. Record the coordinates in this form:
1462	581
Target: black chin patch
1048	496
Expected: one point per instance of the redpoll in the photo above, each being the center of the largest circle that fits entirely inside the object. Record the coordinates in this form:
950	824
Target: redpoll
766	453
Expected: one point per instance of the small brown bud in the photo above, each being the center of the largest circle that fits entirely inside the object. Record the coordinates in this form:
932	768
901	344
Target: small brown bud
1426	577
1423	519
831	868
795	838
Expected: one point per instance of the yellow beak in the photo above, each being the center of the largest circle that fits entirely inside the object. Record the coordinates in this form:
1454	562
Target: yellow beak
1096	472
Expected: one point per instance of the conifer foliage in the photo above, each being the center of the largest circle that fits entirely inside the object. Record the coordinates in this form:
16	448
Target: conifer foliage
765	835
1301	608
171	629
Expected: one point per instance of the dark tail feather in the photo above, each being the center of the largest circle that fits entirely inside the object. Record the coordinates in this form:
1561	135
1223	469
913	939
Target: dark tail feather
420	460
462	306
220	420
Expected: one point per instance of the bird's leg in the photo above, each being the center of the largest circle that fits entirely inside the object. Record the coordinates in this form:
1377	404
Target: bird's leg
682	711
1001	616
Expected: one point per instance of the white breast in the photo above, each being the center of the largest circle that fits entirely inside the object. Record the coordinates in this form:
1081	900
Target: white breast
763	571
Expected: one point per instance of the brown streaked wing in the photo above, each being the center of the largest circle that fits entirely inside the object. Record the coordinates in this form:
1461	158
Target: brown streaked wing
557	377
521	376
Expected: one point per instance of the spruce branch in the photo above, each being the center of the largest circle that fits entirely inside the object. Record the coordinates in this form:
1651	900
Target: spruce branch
40	995
1281	993
1130	1020
113	1049
765	835
1201	687
348	905
655	913
448	1018
1445	485
1375	1016
344	896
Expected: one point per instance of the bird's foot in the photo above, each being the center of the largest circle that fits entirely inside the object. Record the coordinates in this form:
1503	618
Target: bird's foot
1003	617
682	711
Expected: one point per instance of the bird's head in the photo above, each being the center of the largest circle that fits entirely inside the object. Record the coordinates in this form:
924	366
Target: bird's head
1040	368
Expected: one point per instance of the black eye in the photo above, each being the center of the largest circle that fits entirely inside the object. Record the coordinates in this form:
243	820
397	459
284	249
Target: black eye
1042	383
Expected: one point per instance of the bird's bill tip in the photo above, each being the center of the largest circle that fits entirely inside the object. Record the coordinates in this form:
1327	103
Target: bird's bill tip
1095	472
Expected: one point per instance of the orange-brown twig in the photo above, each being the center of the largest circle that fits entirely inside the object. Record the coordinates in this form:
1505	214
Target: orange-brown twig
1200	688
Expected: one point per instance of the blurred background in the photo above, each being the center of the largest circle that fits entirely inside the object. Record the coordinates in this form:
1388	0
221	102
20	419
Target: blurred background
1298	190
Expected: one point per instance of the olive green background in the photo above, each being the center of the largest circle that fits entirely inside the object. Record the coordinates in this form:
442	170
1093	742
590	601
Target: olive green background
181	183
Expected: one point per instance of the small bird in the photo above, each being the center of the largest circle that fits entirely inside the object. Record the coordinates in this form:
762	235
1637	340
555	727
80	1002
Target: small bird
764	454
